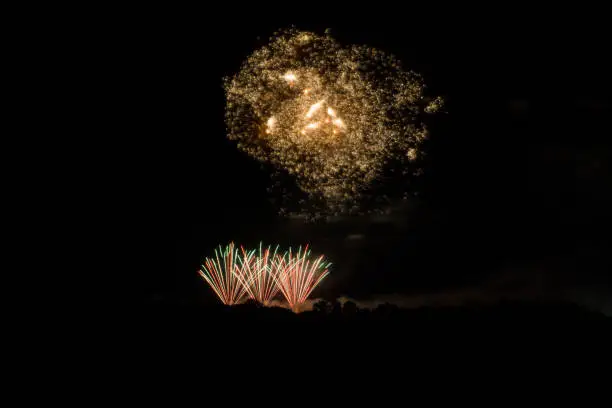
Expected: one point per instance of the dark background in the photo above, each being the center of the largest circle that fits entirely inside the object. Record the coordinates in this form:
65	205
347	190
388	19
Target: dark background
516	191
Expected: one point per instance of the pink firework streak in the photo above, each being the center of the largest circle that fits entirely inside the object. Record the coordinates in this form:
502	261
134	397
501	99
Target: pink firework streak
224	274
298	275
259	274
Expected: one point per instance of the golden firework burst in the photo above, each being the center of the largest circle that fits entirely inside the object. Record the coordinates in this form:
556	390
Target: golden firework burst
330	115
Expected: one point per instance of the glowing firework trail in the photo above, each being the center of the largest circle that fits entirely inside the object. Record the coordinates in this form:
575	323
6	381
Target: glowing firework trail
328	114
224	274
258	274
299	274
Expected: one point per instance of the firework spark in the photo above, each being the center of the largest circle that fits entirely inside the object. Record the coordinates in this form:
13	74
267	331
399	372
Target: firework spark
332	116
299	274
226	272
259	275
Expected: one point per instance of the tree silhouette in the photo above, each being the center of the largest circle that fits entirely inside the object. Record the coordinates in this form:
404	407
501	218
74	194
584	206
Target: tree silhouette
386	310
337	308
322	306
349	309
252	304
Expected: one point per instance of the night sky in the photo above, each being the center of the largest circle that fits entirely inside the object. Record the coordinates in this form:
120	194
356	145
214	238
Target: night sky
516	192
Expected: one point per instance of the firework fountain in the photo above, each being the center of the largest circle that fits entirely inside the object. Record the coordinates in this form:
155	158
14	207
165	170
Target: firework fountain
261	274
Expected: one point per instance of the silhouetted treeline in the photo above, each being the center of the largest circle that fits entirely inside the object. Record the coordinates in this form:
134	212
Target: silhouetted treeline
334	316
343	341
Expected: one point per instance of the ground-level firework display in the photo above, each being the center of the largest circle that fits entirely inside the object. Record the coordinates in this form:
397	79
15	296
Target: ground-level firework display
261	274
329	115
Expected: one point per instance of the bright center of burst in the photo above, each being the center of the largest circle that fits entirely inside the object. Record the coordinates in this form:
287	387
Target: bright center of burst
326	121
330	118
290	77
